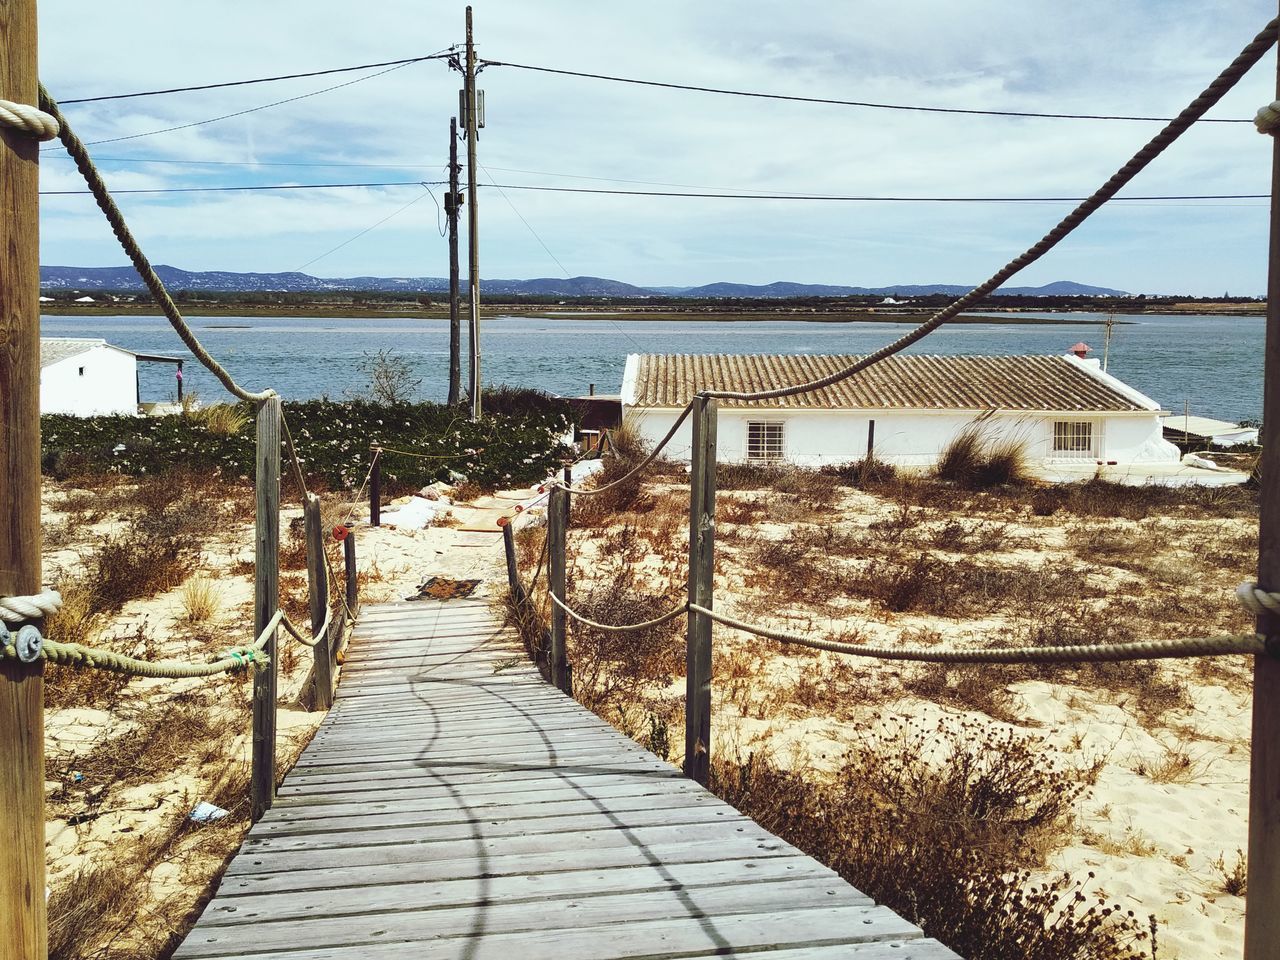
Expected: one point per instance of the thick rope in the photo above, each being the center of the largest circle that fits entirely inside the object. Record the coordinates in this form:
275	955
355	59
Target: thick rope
1256	600
1268	118
653	455
33	607
679	611
114	217
27	119
1178	126
298	635
78	655
1081	653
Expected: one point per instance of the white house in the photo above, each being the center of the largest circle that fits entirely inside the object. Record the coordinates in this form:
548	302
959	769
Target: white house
86	377
1063	409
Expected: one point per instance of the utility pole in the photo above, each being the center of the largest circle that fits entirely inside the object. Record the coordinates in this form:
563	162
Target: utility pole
451	202
1262	920
473	221
22	872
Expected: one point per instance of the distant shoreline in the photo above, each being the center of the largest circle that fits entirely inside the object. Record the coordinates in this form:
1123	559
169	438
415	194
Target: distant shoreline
995	315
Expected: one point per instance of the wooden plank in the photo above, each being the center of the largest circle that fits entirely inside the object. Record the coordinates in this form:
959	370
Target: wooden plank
739	838
348	899
387	936
464	863
497	918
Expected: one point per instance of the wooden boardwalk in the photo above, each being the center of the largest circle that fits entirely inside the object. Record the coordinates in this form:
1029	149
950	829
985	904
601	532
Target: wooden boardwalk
452	805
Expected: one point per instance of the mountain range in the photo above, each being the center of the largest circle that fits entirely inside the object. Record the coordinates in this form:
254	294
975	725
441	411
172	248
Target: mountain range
120	279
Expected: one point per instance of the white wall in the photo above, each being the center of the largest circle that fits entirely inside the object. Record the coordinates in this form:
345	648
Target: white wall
109	383
905	438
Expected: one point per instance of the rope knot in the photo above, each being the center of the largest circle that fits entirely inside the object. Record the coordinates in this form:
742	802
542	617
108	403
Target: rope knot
1268	118
18	610
28	119
1256	600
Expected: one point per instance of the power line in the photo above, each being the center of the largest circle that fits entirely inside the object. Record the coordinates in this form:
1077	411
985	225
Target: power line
241	113
863	199
244	83
270	186
808	197
264	163
842	103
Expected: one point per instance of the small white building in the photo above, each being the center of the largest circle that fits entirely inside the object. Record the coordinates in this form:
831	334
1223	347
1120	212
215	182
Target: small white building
85	376
905	410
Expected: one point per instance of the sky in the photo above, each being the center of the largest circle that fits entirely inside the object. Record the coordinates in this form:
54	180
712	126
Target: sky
1147	57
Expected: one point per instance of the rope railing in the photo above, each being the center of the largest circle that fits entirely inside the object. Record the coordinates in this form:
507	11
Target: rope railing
1216	646
667	617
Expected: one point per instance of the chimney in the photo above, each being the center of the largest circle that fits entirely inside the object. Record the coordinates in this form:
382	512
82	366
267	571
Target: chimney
1080	349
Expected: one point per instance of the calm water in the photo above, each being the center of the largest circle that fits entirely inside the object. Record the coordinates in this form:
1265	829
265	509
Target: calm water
1214	363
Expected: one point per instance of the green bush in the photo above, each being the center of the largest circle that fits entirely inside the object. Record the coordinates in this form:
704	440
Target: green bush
516	443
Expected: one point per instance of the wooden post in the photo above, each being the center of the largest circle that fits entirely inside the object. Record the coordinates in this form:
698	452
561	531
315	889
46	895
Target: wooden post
1262	917
568	497
375	489
702	530
452	201
22	869
349	568
557	515
266	600
513	572
318	587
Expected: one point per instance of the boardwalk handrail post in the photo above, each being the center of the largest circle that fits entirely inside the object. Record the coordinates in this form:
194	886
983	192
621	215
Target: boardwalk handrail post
1262	919
513	572
266	600
375	488
702	527
318	593
23	931
349	570
557	515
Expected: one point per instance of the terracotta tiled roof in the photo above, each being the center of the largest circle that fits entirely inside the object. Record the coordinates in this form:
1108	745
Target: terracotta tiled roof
900	382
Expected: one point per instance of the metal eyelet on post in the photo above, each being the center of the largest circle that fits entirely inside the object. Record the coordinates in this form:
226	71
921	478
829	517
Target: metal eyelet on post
29	644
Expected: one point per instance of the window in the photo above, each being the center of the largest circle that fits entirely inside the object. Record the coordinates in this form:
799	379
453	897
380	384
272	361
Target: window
1073	438
764	440
82	371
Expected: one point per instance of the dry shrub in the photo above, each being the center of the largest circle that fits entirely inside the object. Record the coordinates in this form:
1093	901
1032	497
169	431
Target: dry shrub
966	686
136	564
76	620
943	825
599	509
222	419
613	669
293	546
972	461
869	472
80	687
199	599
